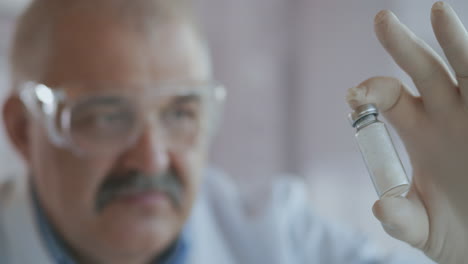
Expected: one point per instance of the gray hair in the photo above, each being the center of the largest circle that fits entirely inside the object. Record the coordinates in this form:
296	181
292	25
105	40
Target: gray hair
35	27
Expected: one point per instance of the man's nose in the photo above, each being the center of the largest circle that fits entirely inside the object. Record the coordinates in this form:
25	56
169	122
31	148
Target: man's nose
149	153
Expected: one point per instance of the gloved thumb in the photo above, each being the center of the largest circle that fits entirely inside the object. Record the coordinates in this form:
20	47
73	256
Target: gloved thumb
404	219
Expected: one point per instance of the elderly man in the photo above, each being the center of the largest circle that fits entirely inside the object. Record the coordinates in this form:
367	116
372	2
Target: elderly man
112	107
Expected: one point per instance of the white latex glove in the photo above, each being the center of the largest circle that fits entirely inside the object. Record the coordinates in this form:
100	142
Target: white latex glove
434	128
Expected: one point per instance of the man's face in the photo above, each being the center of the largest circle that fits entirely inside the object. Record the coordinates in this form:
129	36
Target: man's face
91	52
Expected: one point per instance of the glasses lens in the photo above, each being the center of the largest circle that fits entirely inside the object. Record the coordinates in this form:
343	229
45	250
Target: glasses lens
183	118
102	124
110	124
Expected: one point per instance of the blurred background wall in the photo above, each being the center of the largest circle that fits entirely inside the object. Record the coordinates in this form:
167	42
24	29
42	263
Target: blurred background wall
287	65
9	162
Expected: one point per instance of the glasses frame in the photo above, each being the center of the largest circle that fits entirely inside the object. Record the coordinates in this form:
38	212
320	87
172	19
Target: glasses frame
43	103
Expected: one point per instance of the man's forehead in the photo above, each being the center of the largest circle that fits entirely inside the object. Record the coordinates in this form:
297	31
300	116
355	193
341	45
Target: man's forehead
101	49
153	90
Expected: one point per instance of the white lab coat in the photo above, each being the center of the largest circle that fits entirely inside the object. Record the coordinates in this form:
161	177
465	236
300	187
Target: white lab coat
285	231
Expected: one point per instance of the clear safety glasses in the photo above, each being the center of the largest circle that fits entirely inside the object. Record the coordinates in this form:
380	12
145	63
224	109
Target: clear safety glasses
107	123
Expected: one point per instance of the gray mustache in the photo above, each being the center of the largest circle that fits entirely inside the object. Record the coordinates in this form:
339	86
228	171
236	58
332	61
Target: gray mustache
134	181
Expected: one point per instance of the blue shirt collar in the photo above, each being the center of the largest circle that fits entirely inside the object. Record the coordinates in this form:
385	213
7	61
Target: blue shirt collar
177	254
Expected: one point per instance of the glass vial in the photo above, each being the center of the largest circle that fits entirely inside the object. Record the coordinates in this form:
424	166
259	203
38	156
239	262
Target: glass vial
382	161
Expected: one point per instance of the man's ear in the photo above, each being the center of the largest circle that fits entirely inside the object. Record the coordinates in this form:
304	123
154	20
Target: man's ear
16	124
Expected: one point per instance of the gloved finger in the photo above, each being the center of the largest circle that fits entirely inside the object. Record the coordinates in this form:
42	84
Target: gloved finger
428	71
404	219
403	110
453	39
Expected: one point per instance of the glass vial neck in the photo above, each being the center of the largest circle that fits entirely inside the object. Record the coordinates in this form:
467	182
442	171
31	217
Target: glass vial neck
365	121
364	115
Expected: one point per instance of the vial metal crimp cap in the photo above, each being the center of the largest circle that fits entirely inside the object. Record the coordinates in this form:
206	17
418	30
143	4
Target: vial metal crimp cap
363	112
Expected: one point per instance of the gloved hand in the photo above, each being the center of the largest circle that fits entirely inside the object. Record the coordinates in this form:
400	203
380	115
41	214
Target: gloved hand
434	128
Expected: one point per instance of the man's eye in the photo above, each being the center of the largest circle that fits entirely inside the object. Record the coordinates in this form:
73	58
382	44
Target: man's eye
103	120
112	118
179	114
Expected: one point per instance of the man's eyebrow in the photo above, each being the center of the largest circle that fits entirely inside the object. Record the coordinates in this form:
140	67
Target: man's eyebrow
188	98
